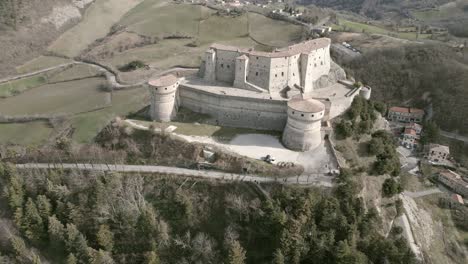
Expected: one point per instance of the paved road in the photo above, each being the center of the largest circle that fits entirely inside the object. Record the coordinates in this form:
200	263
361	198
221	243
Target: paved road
422	193
454	136
321	180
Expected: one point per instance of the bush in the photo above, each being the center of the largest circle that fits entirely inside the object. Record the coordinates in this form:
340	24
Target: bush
133	65
391	187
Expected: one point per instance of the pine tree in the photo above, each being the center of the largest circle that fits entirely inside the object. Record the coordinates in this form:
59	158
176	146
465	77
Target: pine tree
32	221
236	253
56	231
151	258
15	190
44	207
278	257
105	237
102	257
71	259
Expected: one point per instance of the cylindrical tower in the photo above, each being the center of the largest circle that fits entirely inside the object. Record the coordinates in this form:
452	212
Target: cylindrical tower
163	92
365	92
302	130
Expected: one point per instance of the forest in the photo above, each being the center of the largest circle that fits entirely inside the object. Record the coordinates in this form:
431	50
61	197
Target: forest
100	217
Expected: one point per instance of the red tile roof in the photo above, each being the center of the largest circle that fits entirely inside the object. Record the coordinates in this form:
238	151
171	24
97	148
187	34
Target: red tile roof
406	110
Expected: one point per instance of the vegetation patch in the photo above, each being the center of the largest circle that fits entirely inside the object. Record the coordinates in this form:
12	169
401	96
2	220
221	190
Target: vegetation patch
33	133
16	87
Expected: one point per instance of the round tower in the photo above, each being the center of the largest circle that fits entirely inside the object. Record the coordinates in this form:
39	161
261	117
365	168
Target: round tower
163	98
302	131
365	92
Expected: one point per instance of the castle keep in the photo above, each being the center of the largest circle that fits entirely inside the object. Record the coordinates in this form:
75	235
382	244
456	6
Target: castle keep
296	66
275	90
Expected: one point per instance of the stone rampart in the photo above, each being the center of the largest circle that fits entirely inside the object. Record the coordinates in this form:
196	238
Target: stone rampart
235	111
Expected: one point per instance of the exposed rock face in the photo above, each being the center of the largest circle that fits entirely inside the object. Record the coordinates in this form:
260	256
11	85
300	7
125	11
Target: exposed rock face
336	74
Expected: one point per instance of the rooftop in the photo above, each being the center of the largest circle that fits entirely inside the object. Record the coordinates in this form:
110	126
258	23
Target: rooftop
439	148
406	110
303	47
162	81
453	176
410	131
307	105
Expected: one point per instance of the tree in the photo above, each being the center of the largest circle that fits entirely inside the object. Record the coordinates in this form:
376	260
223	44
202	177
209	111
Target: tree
152	258
376	146
71	259
33	225
390	187
56	231
15	189
278	257
236	253
102	257
105	237
44	207
19	248
344	129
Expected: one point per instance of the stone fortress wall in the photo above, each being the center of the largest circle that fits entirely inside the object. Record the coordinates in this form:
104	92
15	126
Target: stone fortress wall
245	88
235	111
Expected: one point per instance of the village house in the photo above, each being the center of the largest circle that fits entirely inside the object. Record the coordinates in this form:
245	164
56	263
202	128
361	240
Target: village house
438	153
454	181
405	114
410	138
416	127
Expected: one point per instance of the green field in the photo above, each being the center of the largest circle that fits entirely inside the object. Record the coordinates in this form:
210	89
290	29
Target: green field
273	32
88	125
16	87
69	97
78	71
33	133
39	63
351	26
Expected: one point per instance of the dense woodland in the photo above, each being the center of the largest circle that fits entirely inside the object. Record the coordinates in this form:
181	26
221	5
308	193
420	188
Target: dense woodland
418	76
79	217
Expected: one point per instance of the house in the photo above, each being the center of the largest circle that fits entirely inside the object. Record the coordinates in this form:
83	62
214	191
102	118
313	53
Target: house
438	153
416	127
405	114
409	138
454	181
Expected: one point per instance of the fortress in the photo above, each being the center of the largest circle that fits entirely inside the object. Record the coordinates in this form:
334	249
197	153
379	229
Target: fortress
294	90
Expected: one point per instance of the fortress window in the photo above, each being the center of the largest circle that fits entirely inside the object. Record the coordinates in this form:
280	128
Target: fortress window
222	65
228	66
312	115
276	75
293	112
302	114
257	58
294	74
321	63
165	88
315	64
282	73
256	73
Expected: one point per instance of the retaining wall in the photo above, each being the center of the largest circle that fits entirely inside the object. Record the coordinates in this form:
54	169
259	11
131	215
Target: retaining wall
236	111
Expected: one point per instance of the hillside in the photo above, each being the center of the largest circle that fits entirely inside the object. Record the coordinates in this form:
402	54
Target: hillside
137	218
28	27
418	75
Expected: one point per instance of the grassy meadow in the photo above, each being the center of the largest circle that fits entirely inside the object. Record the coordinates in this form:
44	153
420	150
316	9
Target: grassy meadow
347	25
33	133
12	88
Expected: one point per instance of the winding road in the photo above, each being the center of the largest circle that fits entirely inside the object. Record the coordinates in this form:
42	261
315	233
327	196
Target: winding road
313	179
